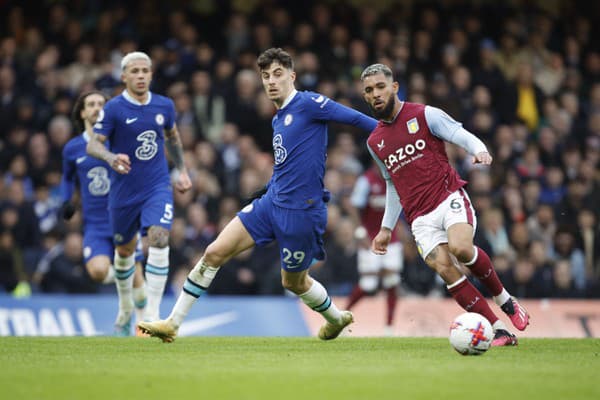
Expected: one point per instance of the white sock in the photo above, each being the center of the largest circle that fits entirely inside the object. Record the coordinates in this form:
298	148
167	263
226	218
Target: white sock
502	297
110	275
140	301
157	272
124	270
198	280
317	298
499	325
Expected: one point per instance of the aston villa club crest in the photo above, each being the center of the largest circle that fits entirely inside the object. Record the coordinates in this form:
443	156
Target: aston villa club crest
413	126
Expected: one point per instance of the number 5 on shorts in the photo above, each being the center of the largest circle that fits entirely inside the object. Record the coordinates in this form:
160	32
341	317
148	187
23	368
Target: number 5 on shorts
168	215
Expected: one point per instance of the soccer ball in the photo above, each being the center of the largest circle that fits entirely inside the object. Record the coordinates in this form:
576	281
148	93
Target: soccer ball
471	334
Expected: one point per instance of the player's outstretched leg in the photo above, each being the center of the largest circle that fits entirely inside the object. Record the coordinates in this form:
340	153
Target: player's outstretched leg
502	337
198	280
317	298
165	330
331	330
471	299
482	268
517	313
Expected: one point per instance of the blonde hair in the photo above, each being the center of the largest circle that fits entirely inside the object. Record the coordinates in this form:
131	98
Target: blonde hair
134	55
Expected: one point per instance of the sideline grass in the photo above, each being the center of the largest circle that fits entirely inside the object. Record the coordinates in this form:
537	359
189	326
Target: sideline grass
294	368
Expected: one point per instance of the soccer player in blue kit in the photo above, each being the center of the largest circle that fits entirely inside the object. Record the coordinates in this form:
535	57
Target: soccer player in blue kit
92	177
139	124
293	210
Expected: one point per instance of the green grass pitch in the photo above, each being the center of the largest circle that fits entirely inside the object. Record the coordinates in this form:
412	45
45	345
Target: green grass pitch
215	368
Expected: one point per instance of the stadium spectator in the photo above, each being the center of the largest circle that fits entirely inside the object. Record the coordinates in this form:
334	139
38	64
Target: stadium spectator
490	42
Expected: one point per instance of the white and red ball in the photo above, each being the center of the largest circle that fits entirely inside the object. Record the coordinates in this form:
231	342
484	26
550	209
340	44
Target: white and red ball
471	334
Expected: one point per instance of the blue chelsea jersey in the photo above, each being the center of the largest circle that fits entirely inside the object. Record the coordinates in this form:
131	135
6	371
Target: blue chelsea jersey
300	147
137	130
94	183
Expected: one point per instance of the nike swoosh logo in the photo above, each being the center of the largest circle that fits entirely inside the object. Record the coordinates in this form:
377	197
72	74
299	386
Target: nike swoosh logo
80	159
195	326
130	120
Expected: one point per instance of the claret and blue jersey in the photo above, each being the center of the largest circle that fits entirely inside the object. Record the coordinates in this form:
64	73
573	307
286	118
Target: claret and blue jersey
137	130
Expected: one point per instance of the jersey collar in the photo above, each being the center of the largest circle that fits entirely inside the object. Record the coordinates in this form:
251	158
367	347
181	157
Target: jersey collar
134	101
395	116
289	98
86	136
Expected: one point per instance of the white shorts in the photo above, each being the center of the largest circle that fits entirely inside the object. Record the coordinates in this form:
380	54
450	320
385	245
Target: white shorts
371	263
431	229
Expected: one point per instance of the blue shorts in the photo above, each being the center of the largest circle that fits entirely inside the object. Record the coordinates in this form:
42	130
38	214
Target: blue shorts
156	210
100	244
299	233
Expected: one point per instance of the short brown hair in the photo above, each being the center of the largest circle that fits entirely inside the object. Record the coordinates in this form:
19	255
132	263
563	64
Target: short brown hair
272	55
79	105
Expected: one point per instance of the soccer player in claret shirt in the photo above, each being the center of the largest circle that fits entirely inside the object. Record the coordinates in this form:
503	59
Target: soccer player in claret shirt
92	177
139	124
375	270
293	209
408	145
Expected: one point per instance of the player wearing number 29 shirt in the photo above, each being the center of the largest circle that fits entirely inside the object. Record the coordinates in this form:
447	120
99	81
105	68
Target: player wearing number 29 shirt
139	124
293	210
408	145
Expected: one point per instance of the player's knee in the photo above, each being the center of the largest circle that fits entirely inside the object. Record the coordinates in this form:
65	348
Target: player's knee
158	237
462	251
124	252
448	272
390	280
294	285
97	272
369	283
214	255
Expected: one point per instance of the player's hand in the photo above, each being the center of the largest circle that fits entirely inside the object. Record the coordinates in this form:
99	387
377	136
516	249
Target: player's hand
380	242
183	182
483	158
67	210
120	163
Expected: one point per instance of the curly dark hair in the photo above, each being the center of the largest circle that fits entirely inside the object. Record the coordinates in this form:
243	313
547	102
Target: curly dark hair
272	55
79	105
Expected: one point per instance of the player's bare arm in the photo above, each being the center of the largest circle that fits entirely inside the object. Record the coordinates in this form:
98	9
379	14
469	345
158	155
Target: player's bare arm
96	148
175	149
381	241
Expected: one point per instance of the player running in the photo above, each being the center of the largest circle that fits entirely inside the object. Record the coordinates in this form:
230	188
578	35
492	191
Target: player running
92	177
139	124
408	145
375	271
293	210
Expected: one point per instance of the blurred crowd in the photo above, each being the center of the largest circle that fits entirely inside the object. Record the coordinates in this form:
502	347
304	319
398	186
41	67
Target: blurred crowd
522	76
